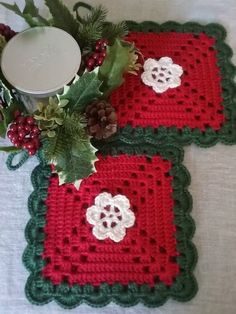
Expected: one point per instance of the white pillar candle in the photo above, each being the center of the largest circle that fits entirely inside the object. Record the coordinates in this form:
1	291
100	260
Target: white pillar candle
40	61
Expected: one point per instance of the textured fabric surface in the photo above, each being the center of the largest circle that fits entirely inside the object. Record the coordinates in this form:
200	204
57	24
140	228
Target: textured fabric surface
213	173
148	249
196	103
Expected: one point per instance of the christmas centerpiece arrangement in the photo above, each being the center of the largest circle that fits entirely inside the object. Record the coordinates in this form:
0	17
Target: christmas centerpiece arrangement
63	125
110	211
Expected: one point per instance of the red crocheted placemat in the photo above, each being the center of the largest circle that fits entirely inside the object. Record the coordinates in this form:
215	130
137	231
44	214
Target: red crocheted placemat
148	252
149	260
201	109
196	103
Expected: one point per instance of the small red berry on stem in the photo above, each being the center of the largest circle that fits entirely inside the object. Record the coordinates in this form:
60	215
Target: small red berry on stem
97	57
24	133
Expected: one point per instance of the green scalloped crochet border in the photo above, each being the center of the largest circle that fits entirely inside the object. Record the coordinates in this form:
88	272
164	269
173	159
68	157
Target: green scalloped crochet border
186	136
40	291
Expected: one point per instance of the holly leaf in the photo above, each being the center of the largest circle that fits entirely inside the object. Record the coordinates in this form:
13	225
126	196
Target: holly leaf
82	91
30	13
114	66
62	17
5	94
71	151
8	112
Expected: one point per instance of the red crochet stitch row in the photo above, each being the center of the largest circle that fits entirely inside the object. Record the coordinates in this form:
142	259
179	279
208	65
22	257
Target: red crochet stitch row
148	252
196	103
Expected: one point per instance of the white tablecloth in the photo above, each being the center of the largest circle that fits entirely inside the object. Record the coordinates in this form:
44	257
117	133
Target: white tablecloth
213	189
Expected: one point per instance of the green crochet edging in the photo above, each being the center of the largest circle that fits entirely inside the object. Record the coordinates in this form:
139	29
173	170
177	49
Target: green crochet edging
186	136
40	291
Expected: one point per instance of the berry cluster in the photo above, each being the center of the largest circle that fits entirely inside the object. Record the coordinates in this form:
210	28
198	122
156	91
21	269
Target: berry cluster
97	57
24	133
6	31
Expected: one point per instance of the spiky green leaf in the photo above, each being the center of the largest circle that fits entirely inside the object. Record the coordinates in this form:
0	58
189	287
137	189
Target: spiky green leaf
70	150
82	91
62	17
112	31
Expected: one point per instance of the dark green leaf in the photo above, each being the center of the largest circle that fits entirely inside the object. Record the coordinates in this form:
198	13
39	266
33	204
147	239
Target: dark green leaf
112	31
114	66
10	149
83	91
13	7
30	13
30	8
3	129
71	150
62	17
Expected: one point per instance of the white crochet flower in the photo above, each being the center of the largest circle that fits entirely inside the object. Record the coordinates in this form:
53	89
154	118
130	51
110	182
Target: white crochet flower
110	216
162	74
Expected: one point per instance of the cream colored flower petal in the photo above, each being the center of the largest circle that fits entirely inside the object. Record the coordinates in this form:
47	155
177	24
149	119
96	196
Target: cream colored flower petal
117	234
149	64
100	232
165	61
103	199
147	78
128	218
175	82
93	215
176	70
121	202
161	88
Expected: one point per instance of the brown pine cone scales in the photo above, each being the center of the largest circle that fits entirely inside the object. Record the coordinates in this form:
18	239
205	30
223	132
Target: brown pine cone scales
102	120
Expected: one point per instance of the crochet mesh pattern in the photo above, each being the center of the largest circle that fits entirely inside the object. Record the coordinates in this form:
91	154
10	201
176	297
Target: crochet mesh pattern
155	259
196	103
148	252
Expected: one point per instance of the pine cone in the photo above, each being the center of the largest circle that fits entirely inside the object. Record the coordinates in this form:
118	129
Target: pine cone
102	121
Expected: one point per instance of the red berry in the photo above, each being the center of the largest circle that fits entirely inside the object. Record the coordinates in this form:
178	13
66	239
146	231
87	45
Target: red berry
30	145
99	61
35	130
20	119
95	55
10	134
22	133
13	127
90	63
103	54
16	114
31	151
18	143
30	120
27	128
97	48
20	127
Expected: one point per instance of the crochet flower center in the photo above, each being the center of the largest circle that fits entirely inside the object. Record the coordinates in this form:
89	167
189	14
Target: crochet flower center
110	216
162	74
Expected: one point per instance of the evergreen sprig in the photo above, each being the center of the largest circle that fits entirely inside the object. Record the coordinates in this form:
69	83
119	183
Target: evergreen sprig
62	17
70	150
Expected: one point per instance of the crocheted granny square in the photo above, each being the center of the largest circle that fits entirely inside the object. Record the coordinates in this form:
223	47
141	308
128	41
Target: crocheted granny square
124	236
200	108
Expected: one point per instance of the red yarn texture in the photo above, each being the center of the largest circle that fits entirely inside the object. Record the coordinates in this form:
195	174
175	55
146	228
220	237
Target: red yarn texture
147	254
196	103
